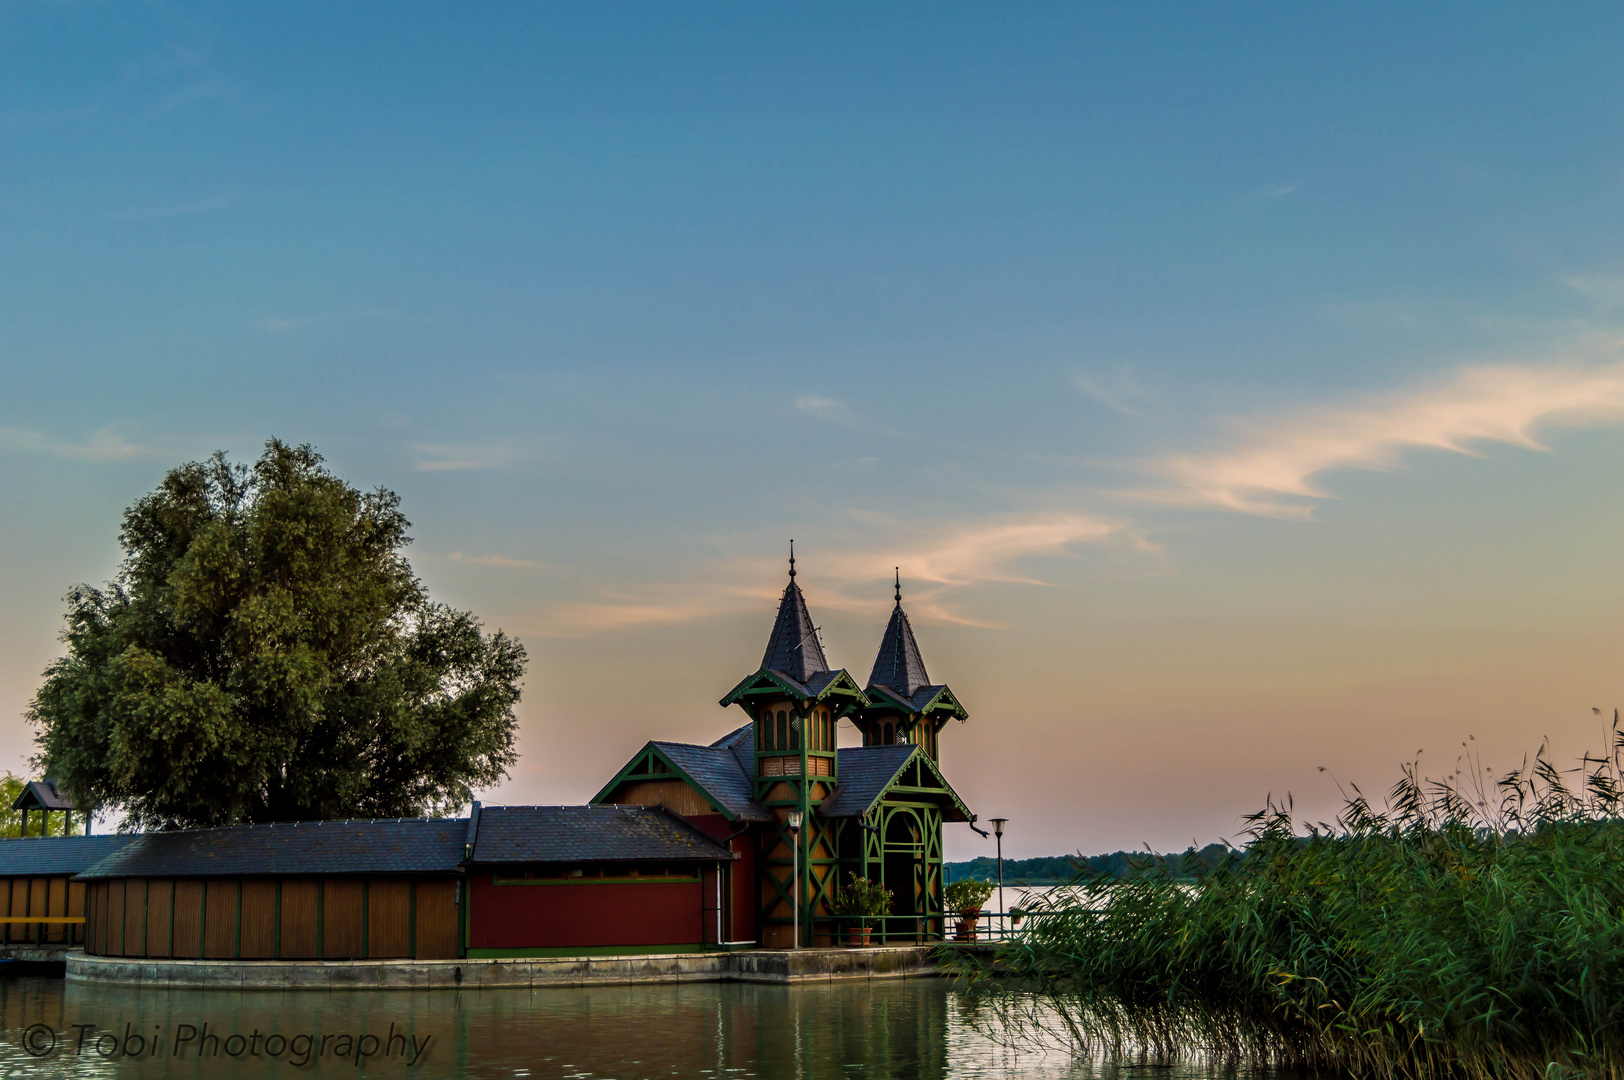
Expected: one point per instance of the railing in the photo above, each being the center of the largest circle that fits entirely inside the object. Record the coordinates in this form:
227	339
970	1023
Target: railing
40	935
927	928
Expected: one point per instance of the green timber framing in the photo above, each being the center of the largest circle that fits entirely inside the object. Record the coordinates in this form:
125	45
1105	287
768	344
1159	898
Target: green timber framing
653	764
918	798
819	876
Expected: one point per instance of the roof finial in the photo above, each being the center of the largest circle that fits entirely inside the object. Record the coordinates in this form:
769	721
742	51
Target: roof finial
792	558
899	586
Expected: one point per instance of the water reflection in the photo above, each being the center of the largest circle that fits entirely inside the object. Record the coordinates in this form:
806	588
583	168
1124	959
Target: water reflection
889	1030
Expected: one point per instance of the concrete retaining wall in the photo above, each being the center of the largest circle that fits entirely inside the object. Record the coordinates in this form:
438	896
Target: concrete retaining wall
763	966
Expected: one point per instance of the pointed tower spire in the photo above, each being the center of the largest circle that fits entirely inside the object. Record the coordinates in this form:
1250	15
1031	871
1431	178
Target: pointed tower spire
899	667
793	648
904	705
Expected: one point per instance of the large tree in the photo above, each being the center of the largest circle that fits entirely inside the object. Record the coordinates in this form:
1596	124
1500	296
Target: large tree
266	654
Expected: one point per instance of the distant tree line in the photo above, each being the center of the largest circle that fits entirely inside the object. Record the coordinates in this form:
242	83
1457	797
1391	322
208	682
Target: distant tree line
1189	864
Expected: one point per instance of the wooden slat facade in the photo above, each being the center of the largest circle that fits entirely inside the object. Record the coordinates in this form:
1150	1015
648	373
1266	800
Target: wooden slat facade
301	918
270	918
47	897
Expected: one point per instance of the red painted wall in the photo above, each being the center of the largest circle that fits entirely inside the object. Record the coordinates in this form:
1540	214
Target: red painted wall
742	904
563	916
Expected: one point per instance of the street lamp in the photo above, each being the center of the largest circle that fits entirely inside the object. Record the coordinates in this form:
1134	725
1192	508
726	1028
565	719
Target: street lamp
795	846
998	824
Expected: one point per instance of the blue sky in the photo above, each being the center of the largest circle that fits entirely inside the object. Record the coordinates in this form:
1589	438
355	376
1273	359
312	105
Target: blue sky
1238	388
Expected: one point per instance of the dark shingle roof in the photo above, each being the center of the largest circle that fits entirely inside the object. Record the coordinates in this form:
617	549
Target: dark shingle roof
399	846
566	834
44	795
794	649
46	855
898	665
921	696
865	772
720	774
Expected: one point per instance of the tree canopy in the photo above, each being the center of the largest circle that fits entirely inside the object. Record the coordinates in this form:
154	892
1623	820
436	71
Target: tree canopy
265	653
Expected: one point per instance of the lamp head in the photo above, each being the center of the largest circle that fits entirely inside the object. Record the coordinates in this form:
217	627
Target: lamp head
998	824
794	821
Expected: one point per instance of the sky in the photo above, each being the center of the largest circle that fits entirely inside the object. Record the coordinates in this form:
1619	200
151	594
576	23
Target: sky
1238	388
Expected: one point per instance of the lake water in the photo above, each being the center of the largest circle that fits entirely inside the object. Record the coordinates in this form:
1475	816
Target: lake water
917	1028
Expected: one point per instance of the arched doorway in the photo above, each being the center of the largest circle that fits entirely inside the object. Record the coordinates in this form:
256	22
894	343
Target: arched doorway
903	848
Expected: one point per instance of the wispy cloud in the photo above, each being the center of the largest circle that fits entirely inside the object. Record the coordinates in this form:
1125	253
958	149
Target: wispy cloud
935	563
150	213
105	445
494	560
1272	465
465	457
1279	190
1124	395
825	408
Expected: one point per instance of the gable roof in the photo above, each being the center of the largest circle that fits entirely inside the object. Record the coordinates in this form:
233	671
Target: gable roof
926	699
867	773
48	855
793	648
898	664
387	846
44	795
567	834
822	684
720	775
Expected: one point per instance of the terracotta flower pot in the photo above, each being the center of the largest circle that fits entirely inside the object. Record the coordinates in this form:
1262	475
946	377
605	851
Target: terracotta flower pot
857	936
966	929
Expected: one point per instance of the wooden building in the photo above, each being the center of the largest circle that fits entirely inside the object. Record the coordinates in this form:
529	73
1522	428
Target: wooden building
331	890
688	847
574	880
876	810
47	797
43	905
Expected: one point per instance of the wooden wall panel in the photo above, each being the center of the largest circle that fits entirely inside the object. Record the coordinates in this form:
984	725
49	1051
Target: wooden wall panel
675	795
160	894
220	915
389	919
188	919
437	920
56	904
115	918
341	920
135	917
76	909
90	918
258	940
299	898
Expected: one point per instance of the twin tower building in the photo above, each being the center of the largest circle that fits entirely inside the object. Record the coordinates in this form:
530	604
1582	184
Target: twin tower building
801	813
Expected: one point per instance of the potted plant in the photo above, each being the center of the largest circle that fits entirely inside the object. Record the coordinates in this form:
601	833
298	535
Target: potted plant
966	897
864	901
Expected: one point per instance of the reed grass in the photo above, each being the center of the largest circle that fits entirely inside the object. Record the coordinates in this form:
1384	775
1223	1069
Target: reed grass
1472	927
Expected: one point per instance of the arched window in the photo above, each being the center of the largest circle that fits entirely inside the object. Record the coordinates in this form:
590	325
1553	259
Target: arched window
764	732
887	738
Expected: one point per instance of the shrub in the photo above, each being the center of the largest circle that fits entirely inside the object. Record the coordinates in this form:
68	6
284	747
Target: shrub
967	895
863	900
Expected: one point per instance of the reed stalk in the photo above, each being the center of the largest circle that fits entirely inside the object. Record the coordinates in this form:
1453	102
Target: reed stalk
1473	927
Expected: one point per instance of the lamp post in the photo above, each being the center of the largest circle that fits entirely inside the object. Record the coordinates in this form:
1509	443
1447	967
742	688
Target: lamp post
998	824
795	846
